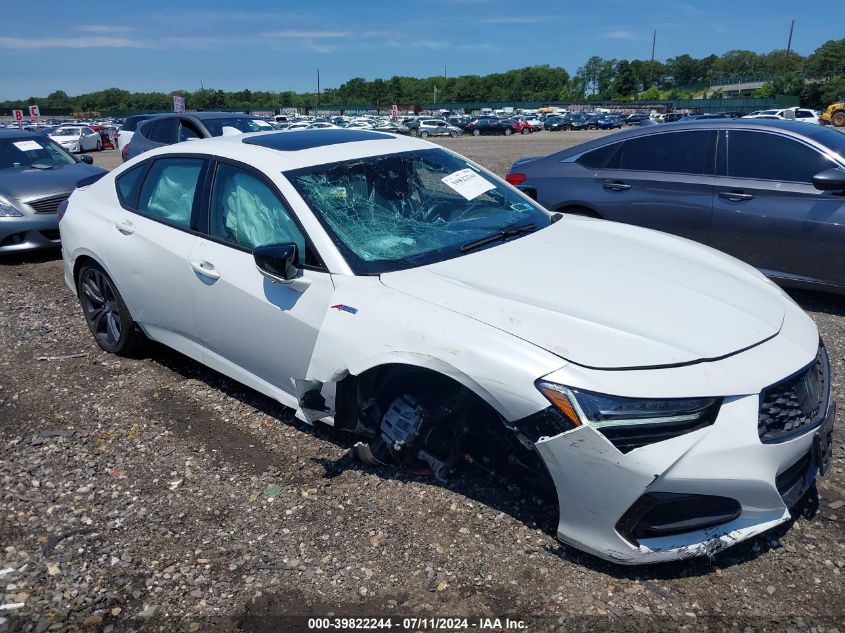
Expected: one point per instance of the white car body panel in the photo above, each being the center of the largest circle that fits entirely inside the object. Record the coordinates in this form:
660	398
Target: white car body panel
123	138
725	309
283	319
572	304
353	343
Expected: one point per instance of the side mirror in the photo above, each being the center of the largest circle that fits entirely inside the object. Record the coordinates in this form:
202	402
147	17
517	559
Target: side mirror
277	261
830	180
86	159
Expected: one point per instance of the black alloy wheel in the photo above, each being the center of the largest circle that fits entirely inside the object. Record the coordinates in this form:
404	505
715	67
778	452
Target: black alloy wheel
105	312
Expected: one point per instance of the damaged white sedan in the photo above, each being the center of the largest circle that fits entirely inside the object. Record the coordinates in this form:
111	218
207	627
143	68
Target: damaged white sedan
677	401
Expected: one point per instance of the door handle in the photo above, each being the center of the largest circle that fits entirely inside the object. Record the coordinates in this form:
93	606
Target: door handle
206	269
736	196
126	227
616	186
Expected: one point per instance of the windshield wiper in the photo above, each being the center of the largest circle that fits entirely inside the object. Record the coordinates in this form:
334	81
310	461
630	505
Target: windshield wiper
499	236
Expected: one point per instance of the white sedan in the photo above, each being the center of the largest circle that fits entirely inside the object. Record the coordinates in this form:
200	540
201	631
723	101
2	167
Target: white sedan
77	138
676	400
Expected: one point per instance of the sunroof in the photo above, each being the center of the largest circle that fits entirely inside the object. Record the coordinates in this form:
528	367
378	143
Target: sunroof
309	139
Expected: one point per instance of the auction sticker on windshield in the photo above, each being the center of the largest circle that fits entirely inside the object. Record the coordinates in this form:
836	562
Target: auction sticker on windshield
468	183
27	146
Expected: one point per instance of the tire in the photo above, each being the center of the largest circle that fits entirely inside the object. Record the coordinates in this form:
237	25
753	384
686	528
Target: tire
476	132
413	132
106	313
525	130
508	131
838	118
453	134
423	134
99	146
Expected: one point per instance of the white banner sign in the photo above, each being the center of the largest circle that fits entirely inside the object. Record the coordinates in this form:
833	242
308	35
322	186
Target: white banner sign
178	103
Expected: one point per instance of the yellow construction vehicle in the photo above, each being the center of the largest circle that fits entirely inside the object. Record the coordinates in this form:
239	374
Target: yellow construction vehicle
835	115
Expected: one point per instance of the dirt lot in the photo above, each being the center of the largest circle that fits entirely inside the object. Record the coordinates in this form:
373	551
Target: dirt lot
154	494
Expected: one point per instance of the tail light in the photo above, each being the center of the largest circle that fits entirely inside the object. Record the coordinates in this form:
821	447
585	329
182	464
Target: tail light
62	209
123	152
515	178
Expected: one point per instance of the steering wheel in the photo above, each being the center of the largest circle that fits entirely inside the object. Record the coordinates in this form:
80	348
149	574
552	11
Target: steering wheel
437	209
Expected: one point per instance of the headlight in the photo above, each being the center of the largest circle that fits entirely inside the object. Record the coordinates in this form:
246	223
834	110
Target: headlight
631	422
7	210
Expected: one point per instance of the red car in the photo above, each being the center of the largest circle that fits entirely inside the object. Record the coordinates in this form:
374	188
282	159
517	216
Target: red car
107	134
520	126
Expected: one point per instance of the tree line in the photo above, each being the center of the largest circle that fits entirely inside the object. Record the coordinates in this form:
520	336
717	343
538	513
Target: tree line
817	79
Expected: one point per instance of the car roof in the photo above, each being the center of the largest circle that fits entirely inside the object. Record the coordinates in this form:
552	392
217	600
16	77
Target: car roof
795	128
13	133
204	116
282	150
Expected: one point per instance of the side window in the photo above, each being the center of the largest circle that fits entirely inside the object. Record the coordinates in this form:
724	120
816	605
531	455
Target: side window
246	211
129	184
187	130
674	152
168	190
597	158
164	131
764	156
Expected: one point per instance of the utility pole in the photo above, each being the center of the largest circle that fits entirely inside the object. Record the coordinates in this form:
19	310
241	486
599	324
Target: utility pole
789	41
444	71
653	42
435	94
317	104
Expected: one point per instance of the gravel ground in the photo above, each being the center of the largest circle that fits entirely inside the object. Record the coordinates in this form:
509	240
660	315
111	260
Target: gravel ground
154	494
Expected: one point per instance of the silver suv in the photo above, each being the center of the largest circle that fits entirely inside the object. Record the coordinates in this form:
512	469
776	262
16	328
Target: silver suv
437	127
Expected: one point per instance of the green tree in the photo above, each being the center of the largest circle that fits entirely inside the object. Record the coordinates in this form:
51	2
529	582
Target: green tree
828	60
652	94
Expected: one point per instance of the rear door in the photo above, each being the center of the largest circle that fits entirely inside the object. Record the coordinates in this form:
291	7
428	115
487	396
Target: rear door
153	237
767	212
662	181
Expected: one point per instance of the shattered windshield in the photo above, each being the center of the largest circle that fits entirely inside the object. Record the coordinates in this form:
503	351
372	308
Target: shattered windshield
408	209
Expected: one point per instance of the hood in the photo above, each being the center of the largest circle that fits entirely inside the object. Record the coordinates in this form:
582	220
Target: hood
22	184
607	295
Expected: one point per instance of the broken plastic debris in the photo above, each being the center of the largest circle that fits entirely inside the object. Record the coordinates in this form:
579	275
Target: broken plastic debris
272	491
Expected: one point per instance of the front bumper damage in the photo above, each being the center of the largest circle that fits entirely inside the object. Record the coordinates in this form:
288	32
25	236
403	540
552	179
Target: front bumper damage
598	486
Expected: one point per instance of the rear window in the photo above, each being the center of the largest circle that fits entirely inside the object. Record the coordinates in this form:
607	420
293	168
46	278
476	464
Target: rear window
131	124
129	184
597	158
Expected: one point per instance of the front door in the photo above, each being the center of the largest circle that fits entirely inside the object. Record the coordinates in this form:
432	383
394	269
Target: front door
255	329
767	212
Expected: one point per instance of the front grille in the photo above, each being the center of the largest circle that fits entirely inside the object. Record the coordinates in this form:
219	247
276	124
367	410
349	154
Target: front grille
48	205
796	404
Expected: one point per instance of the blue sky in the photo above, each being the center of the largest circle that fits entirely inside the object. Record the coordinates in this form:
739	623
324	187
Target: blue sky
81	46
